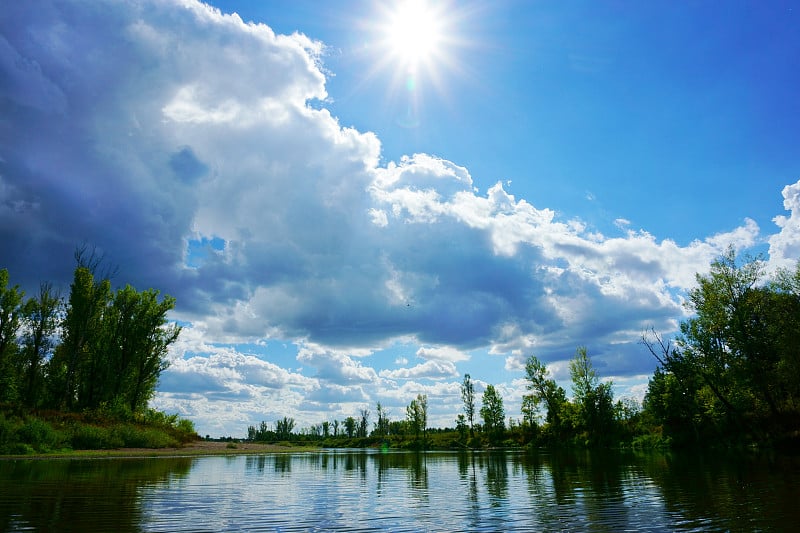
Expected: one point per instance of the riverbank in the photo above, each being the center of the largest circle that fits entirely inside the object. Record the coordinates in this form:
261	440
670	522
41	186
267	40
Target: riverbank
195	448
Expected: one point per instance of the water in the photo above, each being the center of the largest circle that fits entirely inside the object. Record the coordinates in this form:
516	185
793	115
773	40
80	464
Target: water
375	491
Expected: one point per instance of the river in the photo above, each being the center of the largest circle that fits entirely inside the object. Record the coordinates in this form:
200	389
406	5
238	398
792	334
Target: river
356	490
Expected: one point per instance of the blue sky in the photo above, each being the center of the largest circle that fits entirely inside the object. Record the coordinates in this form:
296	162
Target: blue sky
343	224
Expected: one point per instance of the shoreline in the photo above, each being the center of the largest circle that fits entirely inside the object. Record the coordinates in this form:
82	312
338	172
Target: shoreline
194	449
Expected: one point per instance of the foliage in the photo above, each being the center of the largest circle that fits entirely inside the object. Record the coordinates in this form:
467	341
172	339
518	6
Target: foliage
593	401
111	350
545	392
733	374
284	427
493	414
417	416
382	425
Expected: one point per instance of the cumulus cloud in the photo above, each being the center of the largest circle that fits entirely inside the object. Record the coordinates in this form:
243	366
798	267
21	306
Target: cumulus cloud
442	353
428	369
784	246
154	128
333	366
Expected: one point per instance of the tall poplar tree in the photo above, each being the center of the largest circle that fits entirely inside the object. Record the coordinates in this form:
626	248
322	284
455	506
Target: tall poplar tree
468	396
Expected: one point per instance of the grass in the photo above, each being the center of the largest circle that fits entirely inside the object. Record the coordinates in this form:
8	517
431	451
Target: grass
54	432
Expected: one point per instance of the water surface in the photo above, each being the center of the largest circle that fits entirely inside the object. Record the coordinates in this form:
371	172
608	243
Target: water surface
396	491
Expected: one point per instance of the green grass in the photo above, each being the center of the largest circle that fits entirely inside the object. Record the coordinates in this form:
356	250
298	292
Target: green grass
24	433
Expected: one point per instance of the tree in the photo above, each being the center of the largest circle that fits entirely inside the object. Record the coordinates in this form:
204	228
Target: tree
461	427
382	425
114	345
545	391
41	318
734	371
363	423
468	396
73	369
417	416
10	314
493	414
284	427
350	426
738	357
594	399
142	352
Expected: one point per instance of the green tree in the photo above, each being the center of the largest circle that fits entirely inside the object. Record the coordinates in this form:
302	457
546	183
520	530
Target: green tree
417	416
363	423
284	427
350	426
10	314
545	391
735	368
73	367
468	397
41	320
493	414
593	399
114	345
139	343
382	425
461	427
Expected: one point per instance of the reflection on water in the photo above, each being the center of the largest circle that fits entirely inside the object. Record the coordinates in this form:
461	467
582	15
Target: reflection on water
80	495
373	491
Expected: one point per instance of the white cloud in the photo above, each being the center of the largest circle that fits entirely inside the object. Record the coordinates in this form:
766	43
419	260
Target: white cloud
335	366
428	369
442	353
784	246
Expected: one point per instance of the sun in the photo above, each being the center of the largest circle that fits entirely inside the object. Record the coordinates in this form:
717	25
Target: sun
414	32
418	43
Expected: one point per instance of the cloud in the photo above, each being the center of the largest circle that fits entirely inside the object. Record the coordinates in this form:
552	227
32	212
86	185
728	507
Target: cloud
784	246
442	353
152	129
335	366
428	369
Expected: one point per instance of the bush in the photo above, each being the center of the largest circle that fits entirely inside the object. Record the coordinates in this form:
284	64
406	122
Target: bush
87	437
40	435
142	437
8	432
651	441
185	431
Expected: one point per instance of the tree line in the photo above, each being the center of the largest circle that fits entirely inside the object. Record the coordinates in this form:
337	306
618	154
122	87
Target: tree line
96	348
730	377
590	415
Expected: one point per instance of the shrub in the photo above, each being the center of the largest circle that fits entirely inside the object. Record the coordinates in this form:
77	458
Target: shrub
87	437
40	435
8	432
133	436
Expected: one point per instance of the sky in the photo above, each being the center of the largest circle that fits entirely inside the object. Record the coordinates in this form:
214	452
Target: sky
351	209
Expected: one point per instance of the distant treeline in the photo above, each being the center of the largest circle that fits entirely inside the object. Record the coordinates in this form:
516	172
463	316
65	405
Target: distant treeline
731	377
99	348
